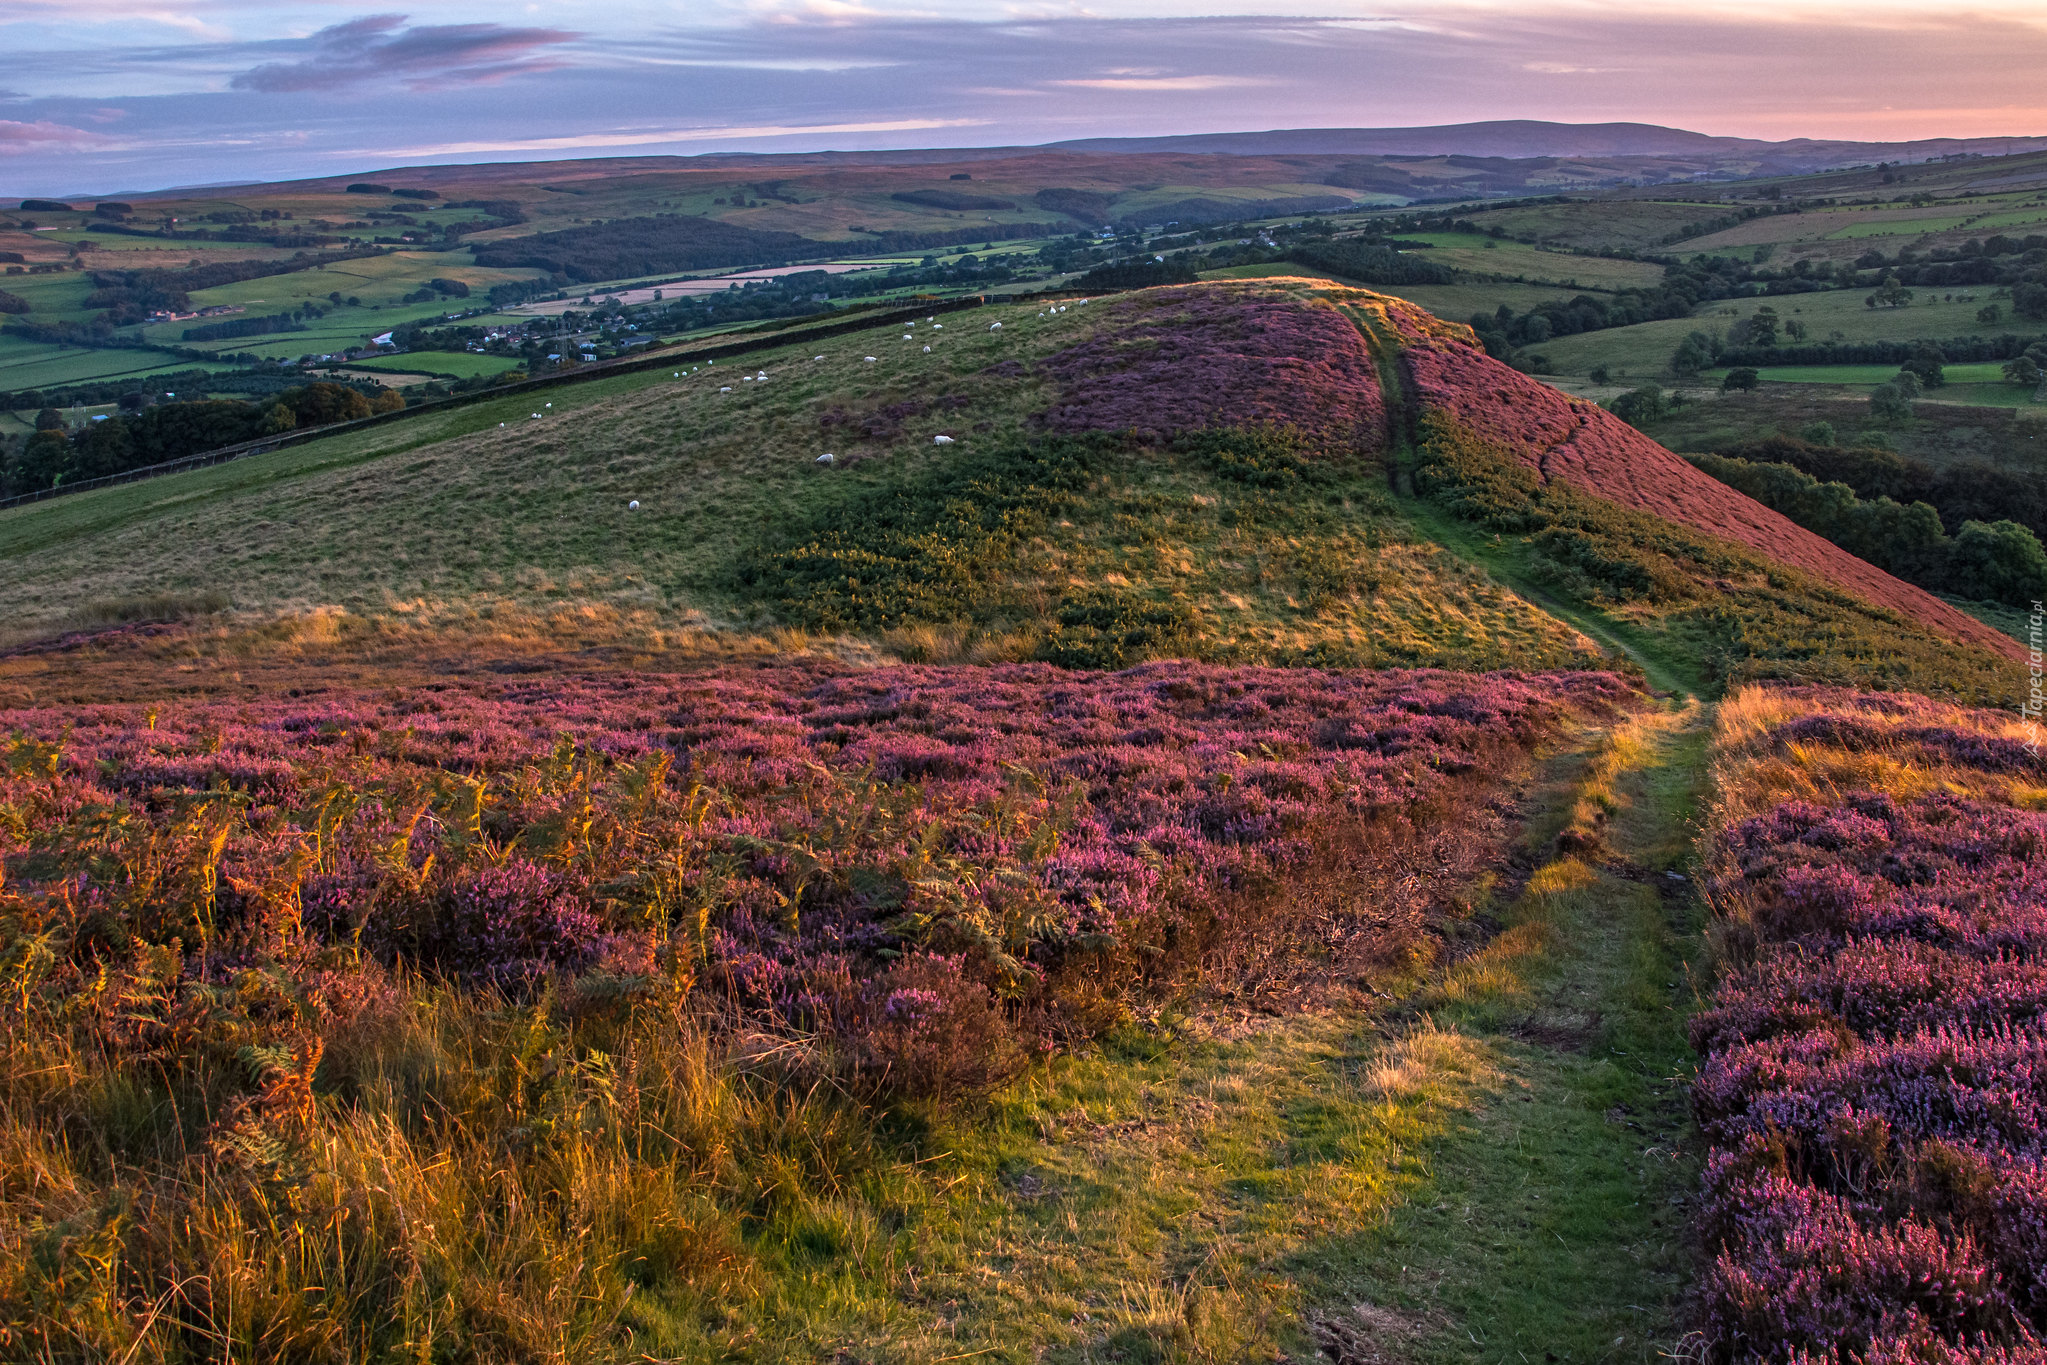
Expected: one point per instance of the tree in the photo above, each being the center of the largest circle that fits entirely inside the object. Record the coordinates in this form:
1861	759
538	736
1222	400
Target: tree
1692	355
2029	301
2023	371
1795	329
1744	379
1760	329
1818	433
1926	363
1640	405
1990	315
1892	402
1997	561
45	459
49	419
318	404
1889	294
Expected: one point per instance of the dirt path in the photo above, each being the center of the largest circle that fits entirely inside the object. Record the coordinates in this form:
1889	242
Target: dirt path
1492	1168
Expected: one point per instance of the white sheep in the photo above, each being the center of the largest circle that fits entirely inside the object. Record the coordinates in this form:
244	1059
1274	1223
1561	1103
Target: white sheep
994	326
937	326
817	357
927	350
826	458
870	360
633	506
941	440
908	337
726	389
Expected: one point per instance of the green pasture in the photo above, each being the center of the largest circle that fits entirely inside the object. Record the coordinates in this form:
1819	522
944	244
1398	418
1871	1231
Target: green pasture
1645	348
1599	225
459	364
52	298
33	365
1493	256
1898	227
1989	372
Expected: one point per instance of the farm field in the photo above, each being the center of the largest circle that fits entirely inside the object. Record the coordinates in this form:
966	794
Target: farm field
1163	828
1645	348
1944	433
459	364
28	365
1961	375
1484	255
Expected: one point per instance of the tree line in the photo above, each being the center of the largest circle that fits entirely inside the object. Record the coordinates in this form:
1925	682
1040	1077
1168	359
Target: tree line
52	456
1996	561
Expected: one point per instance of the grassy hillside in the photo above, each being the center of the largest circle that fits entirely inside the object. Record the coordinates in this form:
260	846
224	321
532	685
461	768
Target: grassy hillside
1113	488
455	518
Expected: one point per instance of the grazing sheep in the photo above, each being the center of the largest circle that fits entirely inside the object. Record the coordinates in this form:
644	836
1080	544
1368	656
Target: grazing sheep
994	326
870	360
941	440
726	389
633	506
927	350
825	458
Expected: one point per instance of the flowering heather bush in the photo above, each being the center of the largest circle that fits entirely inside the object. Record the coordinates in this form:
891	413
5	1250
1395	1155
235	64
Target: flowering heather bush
1875	1074
781	837
1172	361
1566	440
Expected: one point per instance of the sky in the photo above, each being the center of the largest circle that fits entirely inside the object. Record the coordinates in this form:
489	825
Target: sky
101	96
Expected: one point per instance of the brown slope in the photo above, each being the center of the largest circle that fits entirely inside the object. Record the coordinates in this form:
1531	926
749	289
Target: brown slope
1583	445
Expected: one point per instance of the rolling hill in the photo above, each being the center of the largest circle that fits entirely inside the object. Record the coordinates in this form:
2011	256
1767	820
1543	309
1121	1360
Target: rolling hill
994	836
1223	470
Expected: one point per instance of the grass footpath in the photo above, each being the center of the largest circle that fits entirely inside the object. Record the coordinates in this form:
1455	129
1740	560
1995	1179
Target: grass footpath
1493	1168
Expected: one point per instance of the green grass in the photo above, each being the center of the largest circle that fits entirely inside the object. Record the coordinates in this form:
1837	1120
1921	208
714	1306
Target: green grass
459	364
1486	255
1493	1156
1644	349
35	365
1987	372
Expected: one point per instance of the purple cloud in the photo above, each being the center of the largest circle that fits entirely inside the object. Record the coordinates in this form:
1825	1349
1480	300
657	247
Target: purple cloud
19	139
379	47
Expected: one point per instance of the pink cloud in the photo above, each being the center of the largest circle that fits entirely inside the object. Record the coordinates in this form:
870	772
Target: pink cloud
17	138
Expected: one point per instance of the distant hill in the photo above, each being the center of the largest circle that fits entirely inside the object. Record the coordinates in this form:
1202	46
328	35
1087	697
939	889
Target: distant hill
1536	138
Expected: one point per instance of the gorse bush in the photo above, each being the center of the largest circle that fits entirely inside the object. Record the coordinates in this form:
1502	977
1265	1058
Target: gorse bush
935	545
993	539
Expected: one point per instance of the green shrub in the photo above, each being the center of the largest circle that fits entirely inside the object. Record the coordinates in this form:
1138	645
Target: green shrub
1997	561
1110	628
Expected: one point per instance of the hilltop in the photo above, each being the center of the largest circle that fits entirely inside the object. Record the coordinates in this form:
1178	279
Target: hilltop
1272	470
